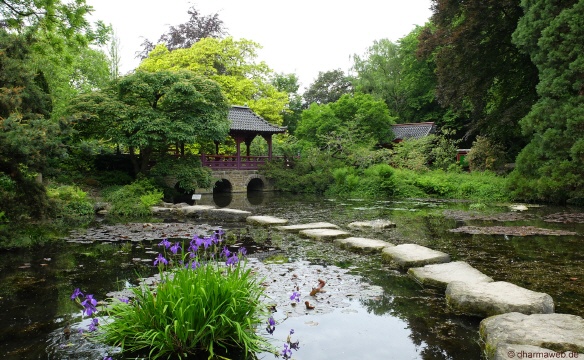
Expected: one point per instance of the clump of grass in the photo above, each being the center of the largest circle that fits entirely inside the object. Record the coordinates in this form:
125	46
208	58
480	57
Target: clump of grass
199	307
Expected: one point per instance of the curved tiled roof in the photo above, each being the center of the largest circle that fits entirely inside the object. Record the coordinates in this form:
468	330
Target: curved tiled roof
244	119
413	130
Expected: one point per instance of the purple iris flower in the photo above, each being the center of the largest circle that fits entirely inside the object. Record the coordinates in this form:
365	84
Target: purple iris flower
291	331
107	358
160	259
208	241
124	300
295	296
286	352
225	252
94	324
195	264
232	260
89	305
165	243
242	250
198	241
76	294
271	325
174	248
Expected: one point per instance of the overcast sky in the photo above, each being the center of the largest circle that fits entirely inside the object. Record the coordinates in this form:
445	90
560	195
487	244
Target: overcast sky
302	36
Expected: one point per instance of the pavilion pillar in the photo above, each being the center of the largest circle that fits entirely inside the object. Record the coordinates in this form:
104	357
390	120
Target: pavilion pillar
268	139
238	141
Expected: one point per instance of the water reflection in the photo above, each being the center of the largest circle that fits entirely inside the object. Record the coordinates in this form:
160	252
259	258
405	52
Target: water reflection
407	322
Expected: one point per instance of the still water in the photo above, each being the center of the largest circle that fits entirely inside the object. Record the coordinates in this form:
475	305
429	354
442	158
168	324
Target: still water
406	322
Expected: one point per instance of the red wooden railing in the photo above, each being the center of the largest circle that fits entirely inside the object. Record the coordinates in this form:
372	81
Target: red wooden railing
231	162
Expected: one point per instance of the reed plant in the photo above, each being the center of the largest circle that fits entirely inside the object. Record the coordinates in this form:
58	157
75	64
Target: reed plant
205	304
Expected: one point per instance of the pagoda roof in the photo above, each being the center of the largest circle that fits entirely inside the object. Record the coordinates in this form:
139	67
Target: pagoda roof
243	119
413	130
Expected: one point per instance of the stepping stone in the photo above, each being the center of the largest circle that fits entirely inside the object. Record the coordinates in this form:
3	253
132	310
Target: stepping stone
513	351
500	297
316	225
373	224
226	213
412	255
266	220
324	234
557	332
440	275
362	244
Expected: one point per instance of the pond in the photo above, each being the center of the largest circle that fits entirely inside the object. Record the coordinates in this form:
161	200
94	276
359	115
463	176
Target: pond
403	321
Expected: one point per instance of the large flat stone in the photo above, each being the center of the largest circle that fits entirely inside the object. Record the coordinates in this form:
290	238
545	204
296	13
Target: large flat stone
299	227
412	255
324	234
487	299
266	220
516	351
228	214
373	224
365	245
557	332
440	275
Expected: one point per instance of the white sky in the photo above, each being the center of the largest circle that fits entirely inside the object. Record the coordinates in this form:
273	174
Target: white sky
301	37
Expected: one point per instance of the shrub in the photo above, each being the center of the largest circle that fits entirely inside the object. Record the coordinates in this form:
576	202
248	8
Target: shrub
133	200
70	204
485	155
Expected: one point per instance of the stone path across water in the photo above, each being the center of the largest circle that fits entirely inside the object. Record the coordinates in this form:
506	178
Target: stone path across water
471	292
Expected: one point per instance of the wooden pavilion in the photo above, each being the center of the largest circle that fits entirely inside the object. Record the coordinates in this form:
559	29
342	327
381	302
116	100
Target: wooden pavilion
245	126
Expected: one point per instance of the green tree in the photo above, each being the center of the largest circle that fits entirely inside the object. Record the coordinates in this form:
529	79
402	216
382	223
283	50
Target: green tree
482	76
328	87
551	166
232	64
393	72
150	112
288	83
28	138
358	119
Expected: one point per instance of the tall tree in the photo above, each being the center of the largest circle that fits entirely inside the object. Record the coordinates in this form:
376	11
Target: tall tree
231	63
551	166
481	73
28	138
328	87
288	83
150	112
183	36
393	72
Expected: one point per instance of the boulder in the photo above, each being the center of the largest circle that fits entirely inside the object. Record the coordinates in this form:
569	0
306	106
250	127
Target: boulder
316	225
493	298
411	255
556	332
373	224
324	234
440	275
265	220
359	244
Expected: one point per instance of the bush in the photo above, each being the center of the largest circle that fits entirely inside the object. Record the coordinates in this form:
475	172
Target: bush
485	155
133	200
194	309
70	204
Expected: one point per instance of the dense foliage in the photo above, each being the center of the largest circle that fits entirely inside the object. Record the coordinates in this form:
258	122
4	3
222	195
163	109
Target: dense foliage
551	166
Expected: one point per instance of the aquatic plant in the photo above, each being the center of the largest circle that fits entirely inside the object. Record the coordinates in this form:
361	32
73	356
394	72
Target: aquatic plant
204	303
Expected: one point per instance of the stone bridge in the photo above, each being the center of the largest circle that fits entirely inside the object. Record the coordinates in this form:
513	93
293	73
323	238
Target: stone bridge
237	181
